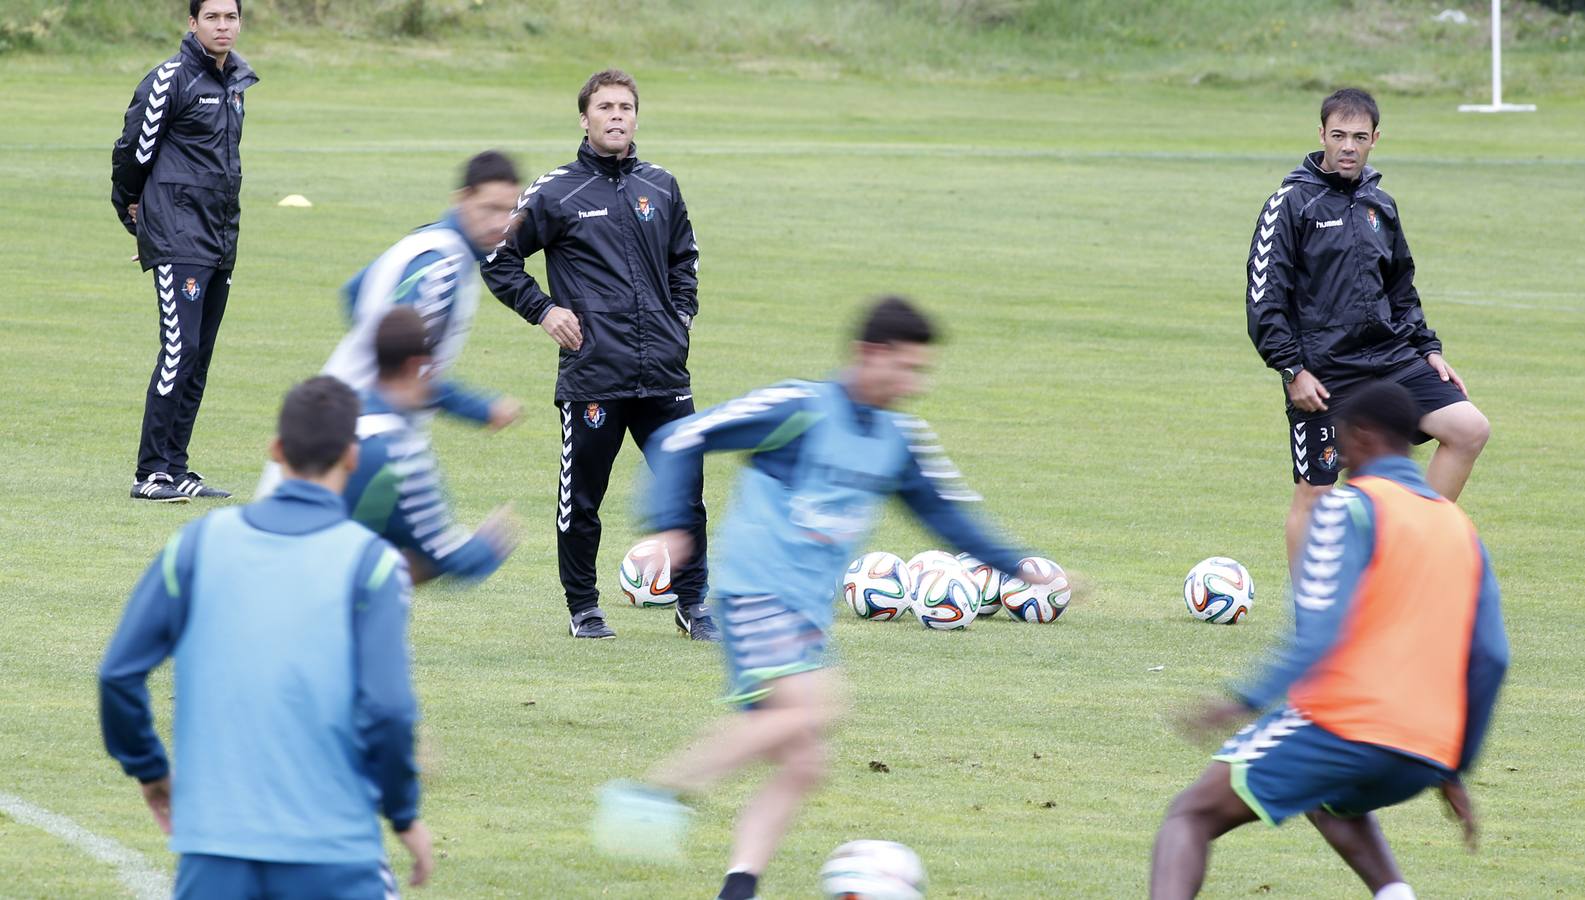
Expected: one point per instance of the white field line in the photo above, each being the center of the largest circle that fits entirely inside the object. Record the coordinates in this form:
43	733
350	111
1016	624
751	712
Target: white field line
142	880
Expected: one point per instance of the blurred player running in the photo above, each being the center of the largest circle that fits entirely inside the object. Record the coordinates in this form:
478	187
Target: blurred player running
1396	658
294	705
822	456
433	270
397	489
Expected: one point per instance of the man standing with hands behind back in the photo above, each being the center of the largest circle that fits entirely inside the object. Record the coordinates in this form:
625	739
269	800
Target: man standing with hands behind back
1331	304
176	175
623	268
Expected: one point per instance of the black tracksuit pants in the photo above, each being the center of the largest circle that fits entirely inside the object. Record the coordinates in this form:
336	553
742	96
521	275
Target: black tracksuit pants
192	301
591	435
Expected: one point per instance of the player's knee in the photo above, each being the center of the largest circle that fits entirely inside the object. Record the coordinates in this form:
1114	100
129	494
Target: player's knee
1471	432
806	762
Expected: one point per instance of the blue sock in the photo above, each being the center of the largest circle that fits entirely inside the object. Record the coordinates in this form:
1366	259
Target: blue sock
739	886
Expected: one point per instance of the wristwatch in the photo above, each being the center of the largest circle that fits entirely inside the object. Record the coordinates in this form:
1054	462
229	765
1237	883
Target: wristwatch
1291	373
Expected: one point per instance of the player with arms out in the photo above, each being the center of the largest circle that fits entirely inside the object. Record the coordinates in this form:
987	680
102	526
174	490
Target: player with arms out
396	490
433	271
822	456
294	705
1331	303
1391	674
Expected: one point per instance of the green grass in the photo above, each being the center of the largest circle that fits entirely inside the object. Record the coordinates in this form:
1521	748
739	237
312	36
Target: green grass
1386	45
1084	245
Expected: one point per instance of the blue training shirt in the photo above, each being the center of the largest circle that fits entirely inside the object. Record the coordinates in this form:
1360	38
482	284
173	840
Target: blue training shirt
818	465
397	492
294	702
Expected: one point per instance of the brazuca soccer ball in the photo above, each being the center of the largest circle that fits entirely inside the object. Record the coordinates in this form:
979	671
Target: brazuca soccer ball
928	559
989	580
1218	590
1037	602
872	870
645	575
877	586
945	597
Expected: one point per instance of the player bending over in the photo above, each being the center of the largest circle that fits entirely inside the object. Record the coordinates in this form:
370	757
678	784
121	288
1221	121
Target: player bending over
396	490
434	271
1391	673
822	456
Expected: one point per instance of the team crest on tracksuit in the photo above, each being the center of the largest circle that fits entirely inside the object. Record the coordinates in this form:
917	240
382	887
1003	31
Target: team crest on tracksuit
190	289
236	101
594	415
1375	220
644	210
1329	458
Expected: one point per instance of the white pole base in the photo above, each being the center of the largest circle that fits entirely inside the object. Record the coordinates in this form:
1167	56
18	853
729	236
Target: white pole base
1497	107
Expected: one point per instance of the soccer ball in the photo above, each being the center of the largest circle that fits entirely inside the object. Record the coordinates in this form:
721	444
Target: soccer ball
1219	590
645	575
1037	602
989	580
877	586
929	559
872	870
945	597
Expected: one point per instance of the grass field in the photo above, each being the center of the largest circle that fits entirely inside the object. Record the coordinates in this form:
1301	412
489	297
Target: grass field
1084	245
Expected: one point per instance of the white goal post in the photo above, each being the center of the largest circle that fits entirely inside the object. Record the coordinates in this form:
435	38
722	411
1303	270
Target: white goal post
1496	104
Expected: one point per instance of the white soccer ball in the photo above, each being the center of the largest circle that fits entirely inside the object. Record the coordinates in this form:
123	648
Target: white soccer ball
1219	590
989	580
645	575
1039	602
872	870
877	586
945	597
929	559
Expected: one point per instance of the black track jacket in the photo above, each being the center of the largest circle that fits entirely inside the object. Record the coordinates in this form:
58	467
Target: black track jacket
1331	281
620	254
178	158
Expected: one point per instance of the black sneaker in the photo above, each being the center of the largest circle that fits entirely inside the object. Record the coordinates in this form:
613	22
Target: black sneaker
158	487
192	484
590	624
695	622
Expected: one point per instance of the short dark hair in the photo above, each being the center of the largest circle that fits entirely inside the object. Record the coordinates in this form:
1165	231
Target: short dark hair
1385	406
399	337
193	6
491	165
895	320
1350	101
318	421
606	78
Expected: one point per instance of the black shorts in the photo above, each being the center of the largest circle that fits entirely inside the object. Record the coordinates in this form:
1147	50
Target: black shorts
1312	436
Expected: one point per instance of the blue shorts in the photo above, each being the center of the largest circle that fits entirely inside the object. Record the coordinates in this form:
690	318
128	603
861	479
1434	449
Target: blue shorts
200	876
1283	765
765	640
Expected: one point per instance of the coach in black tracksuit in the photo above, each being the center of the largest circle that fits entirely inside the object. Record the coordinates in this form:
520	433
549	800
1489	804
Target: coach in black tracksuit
1331	305
176	174
623	269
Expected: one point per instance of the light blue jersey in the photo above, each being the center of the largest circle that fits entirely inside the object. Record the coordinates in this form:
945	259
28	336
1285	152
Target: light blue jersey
819	465
294	706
